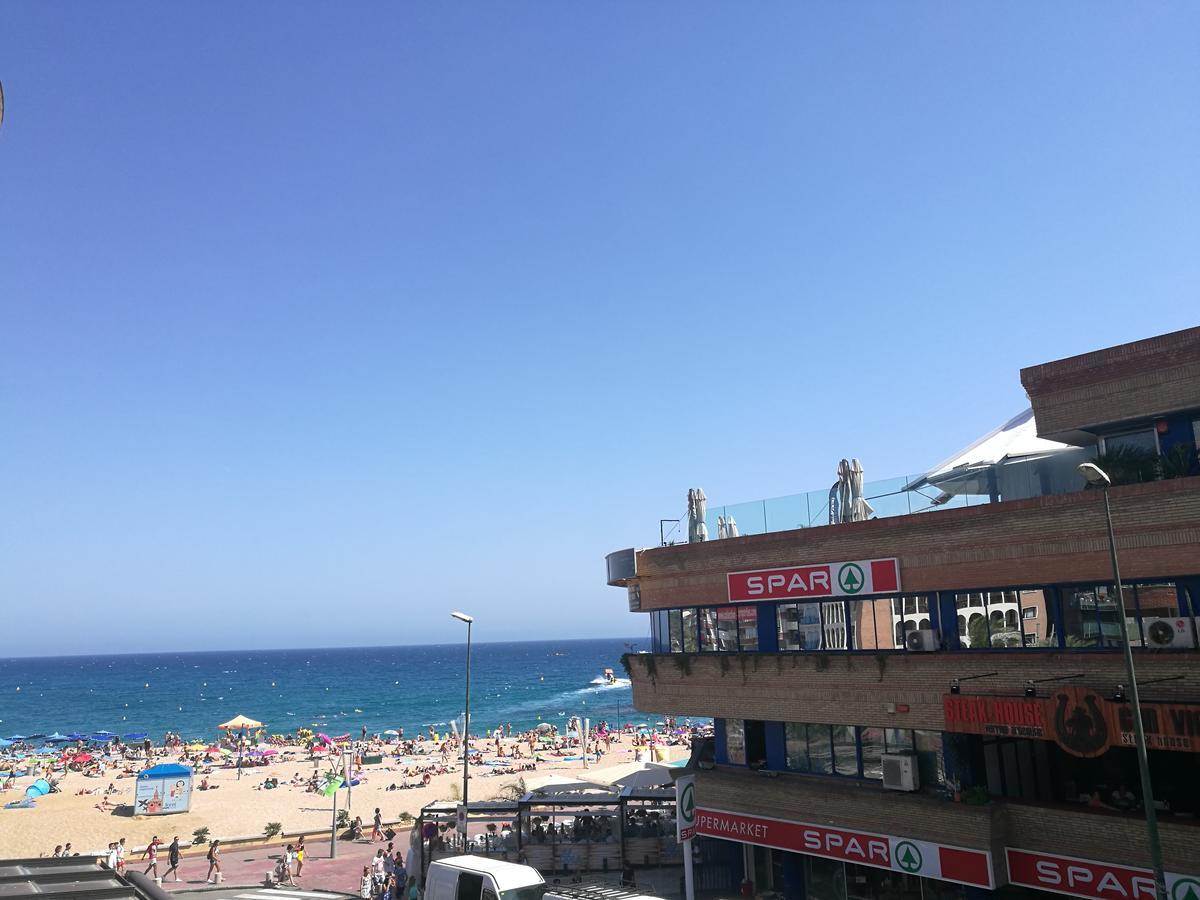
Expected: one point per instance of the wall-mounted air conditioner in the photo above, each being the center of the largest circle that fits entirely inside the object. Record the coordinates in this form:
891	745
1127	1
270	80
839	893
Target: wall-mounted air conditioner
900	772
923	640
1171	633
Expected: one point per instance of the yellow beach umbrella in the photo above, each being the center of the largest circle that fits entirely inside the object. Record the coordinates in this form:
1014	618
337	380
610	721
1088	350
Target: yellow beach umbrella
237	723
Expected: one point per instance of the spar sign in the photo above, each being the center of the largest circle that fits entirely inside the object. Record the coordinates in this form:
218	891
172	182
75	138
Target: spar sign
685	808
840	579
883	851
1092	879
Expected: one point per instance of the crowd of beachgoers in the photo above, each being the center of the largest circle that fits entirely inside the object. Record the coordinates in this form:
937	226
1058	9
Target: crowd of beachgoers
289	774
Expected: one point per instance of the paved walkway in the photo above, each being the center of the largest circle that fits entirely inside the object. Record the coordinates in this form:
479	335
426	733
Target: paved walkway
249	867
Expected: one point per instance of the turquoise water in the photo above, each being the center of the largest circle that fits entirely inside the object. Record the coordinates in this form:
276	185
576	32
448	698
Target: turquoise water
339	689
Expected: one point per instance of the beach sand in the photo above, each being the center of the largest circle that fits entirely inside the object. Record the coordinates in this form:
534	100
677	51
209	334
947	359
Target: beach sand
236	809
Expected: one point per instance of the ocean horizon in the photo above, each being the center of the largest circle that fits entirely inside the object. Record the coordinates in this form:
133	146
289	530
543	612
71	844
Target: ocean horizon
336	690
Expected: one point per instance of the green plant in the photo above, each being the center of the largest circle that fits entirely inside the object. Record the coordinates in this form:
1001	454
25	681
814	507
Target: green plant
406	817
881	662
627	664
976	796
200	836
272	829
1129	465
343	818
683	662
650	664
514	790
724	663
1178	462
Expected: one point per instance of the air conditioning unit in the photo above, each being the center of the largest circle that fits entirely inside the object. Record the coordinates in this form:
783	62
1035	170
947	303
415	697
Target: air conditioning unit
900	772
1169	633
922	640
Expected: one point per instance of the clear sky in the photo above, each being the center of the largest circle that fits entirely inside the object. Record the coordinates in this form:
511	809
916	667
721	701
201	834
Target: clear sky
320	320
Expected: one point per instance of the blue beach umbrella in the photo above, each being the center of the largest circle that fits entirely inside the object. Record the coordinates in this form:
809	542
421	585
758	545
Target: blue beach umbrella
5	743
76	736
36	737
103	736
57	738
136	736
16	737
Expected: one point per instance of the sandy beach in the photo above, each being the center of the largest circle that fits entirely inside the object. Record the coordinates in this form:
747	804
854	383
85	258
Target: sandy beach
239	808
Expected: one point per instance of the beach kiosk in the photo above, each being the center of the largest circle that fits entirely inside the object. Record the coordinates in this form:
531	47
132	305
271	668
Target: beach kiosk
162	790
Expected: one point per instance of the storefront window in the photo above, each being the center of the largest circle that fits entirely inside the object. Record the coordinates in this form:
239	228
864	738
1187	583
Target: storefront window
689	630
708	628
872	752
824	879
931	765
747	620
727	629
845	750
676	629
735	741
795	738
869	883
820	750
1142	441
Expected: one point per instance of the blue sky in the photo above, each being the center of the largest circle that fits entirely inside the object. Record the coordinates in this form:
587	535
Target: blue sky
317	322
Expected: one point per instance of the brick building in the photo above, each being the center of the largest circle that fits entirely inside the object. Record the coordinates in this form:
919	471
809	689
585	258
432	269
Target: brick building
932	705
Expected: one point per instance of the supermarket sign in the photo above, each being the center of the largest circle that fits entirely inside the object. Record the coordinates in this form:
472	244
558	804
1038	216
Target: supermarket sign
900	854
840	579
1092	879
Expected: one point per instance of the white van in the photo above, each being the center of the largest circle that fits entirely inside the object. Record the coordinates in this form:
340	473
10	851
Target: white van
480	878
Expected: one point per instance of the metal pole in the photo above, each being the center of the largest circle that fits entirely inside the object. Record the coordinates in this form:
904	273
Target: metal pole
689	879
1160	884
333	827
467	723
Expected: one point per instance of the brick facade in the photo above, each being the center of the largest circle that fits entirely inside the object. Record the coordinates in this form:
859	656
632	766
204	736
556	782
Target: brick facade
1044	540
856	688
1139	380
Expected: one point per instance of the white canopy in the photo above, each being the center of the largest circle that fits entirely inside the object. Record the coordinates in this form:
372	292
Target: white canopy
562	783
634	775
966	472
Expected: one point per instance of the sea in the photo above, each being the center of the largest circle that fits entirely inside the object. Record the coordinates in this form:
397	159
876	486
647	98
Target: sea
331	690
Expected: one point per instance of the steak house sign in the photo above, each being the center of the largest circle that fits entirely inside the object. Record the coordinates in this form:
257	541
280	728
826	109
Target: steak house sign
1079	720
840	579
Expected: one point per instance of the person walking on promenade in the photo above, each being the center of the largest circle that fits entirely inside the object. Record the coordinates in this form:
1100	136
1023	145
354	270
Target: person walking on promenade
151	851
299	856
214	862
364	884
173	859
377	827
121	857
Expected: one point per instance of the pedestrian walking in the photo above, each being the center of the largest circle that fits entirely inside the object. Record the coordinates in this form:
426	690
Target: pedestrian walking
214	862
173	859
377	826
151	852
365	884
300	856
121	856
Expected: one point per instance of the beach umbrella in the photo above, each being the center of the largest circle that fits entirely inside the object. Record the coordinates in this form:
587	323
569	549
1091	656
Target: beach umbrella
36	737
16	737
731	528
323	738
4	742
103	736
194	746
393	732
240	723
56	738
271	752
81	758
860	509
76	736
697	510
136	736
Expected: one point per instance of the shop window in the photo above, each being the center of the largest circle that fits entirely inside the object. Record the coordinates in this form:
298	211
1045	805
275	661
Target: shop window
824	879
747	625
799	626
898	740
756	744
735	741
845	750
820	750
993	620
708	629
727	629
795	746
869	883
1144	441
689	631
931	763
1091	618
676	630
872	752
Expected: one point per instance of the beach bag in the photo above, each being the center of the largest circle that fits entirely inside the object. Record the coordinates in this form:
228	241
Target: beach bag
210	854
389	833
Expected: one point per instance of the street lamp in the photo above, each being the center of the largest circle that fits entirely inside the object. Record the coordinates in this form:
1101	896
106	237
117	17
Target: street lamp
1096	477
463	617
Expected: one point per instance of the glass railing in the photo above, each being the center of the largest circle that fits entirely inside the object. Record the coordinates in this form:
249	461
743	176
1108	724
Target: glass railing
811	508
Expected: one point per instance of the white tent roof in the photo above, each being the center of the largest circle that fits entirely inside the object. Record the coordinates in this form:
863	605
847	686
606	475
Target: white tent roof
634	774
1015	438
562	783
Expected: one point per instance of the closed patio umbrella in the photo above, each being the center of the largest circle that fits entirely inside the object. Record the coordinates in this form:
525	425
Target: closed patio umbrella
860	509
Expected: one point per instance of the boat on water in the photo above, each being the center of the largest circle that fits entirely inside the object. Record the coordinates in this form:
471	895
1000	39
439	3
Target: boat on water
607	678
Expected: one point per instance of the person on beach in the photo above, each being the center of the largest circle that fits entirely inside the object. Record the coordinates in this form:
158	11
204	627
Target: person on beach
173	859
300	856
151	852
57	852
214	861
377	827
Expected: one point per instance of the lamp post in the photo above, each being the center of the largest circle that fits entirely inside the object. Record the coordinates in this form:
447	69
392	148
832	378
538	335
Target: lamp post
463	617
1096	477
